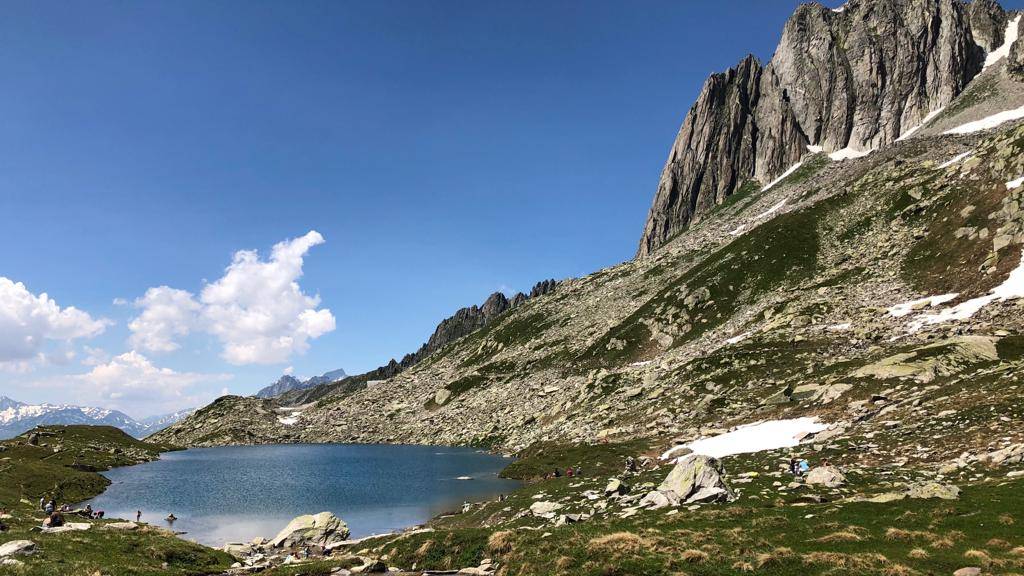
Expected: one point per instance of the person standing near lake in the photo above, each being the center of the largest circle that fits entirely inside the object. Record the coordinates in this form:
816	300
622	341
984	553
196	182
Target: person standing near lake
138	515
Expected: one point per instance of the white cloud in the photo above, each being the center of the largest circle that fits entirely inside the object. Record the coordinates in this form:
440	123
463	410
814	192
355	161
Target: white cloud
167	314
94	356
289	370
257	310
28	322
130	382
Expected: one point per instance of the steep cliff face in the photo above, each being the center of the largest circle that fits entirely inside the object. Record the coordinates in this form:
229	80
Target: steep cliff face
856	78
1016	60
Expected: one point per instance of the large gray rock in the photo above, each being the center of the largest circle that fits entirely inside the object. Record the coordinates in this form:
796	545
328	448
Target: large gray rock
545	509
658	499
929	490
323	529
15	547
858	78
1013	454
698	479
827	476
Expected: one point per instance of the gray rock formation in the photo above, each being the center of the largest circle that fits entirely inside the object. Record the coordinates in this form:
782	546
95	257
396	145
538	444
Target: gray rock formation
323	529
827	476
698	479
284	384
464	322
288	383
1015	64
858	78
988	23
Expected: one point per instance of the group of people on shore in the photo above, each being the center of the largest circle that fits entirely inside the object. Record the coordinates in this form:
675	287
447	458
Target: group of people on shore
570	472
55	516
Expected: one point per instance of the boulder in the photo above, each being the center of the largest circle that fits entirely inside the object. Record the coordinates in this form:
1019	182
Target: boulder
545	509
658	499
442	396
827	476
127	526
371	567
886	497
970	571
238	549
69	527
929	490
15	547
1010	455
615	486
700	476
321	529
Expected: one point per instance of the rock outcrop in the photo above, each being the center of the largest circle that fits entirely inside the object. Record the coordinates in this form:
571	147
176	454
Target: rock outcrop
1015	64
697	479
856	78
284	384
323	529
827	476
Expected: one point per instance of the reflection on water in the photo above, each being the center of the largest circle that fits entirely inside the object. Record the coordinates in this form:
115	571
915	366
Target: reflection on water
238	493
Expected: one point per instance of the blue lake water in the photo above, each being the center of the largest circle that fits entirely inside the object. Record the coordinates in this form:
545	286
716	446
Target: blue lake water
238	493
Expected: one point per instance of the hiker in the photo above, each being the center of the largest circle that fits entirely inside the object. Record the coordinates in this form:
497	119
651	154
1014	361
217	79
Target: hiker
568	472
804	467
99	515
579	471
794	467
171	518
88	510
558	473
630	465
49	508
42	503
138	515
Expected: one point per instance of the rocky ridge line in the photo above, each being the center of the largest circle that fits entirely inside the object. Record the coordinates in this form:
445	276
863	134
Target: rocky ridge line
851	79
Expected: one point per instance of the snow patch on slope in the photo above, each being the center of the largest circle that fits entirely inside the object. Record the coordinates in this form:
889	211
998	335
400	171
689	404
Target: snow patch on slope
769	435
848	154
771	210
1012	31
901	310
956	160
988	123
926	120
1011	289
785	175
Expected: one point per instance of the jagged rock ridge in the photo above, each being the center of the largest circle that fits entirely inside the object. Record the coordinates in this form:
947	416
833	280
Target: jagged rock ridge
288	383
465	321
853	78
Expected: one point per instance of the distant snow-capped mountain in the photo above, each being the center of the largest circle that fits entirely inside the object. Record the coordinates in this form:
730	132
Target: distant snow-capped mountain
17	417
287	383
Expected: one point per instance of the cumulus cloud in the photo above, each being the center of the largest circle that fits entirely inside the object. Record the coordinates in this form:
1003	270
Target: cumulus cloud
131	382
28	322
167	314
257	310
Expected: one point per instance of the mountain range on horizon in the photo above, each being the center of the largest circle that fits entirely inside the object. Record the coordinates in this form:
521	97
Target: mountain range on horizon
18	417
288	383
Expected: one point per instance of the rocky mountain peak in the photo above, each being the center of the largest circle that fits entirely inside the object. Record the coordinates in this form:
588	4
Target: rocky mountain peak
850	79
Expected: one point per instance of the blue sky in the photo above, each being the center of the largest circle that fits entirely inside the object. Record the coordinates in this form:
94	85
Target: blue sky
442	150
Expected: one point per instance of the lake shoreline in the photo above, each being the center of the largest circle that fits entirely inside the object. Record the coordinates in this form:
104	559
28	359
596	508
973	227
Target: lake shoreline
440	485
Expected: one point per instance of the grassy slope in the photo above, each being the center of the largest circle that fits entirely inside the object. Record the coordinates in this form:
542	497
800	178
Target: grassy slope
65	466
768	531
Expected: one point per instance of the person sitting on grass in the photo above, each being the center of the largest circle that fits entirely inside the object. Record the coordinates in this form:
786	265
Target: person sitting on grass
54	520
